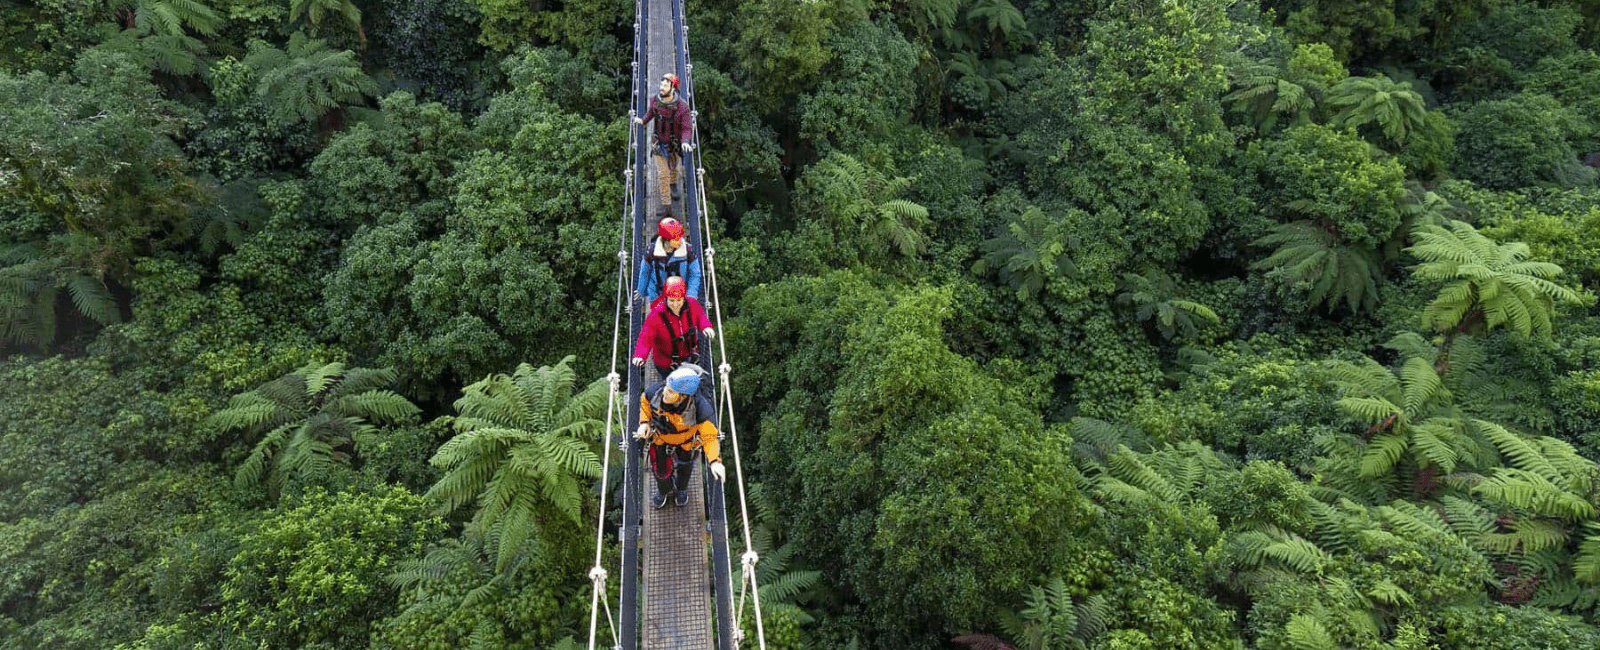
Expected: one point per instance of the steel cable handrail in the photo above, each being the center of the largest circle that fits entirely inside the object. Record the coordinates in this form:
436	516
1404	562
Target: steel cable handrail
597	574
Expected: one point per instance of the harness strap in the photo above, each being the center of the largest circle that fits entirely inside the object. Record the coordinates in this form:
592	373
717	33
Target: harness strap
689	339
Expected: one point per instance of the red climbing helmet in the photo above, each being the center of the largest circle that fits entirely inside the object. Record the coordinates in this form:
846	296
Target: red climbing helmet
676	288
669	229
672	79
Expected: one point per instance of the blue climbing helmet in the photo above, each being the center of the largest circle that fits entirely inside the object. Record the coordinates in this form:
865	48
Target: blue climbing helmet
686	379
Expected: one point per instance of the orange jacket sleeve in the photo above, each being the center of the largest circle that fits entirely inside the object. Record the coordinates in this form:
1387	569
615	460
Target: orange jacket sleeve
708	441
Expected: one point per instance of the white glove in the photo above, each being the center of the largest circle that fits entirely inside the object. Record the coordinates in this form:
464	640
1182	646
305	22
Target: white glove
638	361
710	333
643	432
638	120
687	147
719	471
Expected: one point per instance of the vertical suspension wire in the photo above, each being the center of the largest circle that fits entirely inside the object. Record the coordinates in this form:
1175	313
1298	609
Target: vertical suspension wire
597	574
725	397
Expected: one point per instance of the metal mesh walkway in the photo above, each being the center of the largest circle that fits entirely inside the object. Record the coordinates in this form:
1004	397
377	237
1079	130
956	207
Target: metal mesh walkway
677	588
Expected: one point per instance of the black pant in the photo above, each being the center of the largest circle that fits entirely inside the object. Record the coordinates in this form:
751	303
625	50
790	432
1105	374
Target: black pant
672	466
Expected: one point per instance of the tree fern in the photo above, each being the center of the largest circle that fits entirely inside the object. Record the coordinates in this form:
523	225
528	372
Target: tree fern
1305	632
1534	493
299	432
307	80
1466	519
167	17
1262	92
1316	261
316	13
30	285
1152	297
1096	440
1392	107
1489	285
1032	250
1586	565
517	453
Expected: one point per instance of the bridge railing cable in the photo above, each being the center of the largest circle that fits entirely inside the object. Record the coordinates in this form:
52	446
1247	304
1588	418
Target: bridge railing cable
725	393
597	574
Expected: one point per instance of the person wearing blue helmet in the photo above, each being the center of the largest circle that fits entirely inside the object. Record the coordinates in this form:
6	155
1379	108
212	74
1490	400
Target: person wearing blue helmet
679	422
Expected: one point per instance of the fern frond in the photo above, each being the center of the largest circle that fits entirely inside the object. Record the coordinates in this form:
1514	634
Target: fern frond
379	405
1305	632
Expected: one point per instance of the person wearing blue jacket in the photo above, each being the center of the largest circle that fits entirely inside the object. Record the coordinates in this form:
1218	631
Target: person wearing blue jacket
669	257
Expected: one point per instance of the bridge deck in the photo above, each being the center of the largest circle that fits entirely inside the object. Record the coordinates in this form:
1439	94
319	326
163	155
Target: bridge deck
676	573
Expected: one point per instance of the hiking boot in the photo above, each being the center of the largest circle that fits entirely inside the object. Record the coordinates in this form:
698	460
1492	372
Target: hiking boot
683	498
659	500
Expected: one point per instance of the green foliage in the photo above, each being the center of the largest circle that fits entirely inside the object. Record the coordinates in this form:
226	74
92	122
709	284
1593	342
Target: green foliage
1526	139
1269	90
780	47
68	424
507	26
1389	107
522	443
317	11
517	260
909	542
1151	295
89	172
855	213
1030	252
1491	285
208	339
785	589
308	422
1333	179
1504	627
454	598
168	17
30	286
1407	410
149	546
306	80
313	573
377	172
1316	261
866	95
1051	619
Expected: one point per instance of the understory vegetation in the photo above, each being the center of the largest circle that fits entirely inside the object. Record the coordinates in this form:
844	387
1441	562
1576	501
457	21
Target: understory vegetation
1107	325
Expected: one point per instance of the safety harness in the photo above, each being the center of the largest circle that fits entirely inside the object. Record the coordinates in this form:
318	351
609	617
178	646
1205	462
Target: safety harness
669	265
664	457
685	345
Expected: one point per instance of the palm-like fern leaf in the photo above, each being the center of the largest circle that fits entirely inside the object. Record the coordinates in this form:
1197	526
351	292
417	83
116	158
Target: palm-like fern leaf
1315	260
523	444
1031	251
303	435
1489	285
308	80
1393	107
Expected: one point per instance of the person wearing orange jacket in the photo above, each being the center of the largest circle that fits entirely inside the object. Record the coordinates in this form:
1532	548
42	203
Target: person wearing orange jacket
671	332
679	422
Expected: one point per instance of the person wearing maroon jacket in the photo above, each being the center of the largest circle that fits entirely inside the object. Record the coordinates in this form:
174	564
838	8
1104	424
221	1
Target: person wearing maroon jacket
671	136
671	333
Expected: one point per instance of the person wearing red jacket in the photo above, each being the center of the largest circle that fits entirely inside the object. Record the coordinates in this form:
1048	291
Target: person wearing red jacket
671	332
672	133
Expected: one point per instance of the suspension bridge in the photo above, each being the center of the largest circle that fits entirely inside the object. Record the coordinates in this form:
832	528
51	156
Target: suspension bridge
675	580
